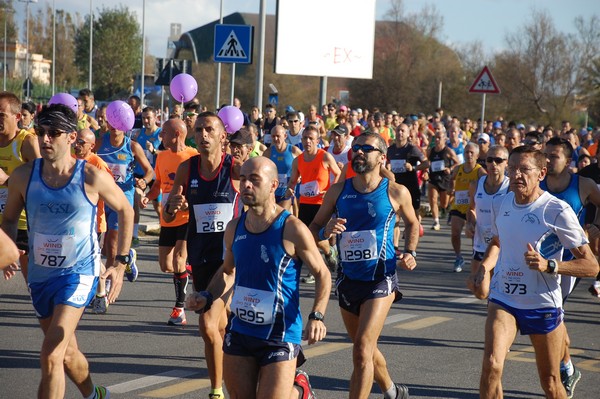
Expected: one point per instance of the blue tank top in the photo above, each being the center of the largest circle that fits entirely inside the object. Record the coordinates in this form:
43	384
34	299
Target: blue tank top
283	161
266	298
571	196
366	248
142	138
120	162
62	227
212	204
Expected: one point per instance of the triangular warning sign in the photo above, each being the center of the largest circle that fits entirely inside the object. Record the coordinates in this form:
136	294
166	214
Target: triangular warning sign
167	74
484	83
232	48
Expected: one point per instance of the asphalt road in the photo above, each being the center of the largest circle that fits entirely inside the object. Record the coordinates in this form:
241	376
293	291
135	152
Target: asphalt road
433	338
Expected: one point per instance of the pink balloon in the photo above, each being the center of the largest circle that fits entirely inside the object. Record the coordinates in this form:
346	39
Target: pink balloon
232	118
183	87
64	99
120	115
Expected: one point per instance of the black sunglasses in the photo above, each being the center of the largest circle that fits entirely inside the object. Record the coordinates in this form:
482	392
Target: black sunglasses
366	148
496	160
52	133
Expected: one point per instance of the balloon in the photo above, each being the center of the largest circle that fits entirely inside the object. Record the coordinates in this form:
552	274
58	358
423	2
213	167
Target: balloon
232	118
120	115
183	87
64	99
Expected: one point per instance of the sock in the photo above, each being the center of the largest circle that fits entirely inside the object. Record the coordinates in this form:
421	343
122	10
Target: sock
180	280
217	391
436	220
391	392
568	367
136	229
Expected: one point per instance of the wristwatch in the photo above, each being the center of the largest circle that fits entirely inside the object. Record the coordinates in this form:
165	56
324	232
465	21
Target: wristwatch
552	266
124	259
413	253
316	316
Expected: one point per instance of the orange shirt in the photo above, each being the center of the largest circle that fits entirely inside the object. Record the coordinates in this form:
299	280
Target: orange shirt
167	163
98	162
314	179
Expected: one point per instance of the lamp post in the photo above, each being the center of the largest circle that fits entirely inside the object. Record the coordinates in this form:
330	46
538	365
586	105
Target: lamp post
53	46
143	54
91	45
27	46
6	11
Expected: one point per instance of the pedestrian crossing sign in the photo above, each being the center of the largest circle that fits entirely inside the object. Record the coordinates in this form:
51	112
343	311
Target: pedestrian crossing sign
233	43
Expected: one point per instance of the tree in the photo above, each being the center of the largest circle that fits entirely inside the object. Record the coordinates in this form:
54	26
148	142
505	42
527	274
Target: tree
116	56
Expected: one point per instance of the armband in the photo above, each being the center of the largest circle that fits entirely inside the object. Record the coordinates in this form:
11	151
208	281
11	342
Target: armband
322	234
209	300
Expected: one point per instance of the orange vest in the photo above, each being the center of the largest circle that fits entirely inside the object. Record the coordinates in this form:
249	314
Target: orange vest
315	179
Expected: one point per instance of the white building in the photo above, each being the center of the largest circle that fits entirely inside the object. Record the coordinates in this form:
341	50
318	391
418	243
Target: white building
39	68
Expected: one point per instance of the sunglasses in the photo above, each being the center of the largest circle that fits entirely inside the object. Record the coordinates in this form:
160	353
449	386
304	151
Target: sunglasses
531	142
190	114
293	120
366	148
481	141
496	160
81	142
53	133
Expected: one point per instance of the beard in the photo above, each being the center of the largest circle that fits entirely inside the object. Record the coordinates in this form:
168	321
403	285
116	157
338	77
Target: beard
361	168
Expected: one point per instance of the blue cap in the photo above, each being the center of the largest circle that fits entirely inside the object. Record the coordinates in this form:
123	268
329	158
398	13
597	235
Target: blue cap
289	108
497	125
520	126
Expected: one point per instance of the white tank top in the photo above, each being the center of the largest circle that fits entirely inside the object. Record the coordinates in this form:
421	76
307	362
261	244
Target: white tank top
483	211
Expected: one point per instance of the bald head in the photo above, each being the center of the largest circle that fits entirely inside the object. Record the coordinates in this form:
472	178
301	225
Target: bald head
174	132
173	125
260	165
84	144
87	135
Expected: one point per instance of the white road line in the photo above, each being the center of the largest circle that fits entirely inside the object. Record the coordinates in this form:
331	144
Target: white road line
469	299
145	382
397	318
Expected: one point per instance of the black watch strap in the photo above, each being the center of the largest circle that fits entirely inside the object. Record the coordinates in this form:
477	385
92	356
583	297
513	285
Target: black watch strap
124	259
316	316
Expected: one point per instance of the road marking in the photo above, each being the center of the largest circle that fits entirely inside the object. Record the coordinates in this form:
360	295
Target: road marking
178	389
397	318
325	349
423	323
469	299
145	382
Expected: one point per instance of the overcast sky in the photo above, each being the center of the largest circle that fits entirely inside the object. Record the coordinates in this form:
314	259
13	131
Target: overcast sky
464	20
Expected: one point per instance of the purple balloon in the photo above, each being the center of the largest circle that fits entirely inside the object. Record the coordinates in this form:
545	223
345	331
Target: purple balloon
120	115
64	99
232	118
183	87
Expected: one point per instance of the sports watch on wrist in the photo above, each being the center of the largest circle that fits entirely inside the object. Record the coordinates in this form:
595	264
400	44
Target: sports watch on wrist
412	253
124	259
552	266
316	316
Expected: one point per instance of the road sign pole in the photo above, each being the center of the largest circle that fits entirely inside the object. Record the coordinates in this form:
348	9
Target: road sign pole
482	114
232	83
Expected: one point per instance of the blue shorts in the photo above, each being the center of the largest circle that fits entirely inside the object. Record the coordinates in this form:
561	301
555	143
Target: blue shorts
534	321
76	290
112	217
353	293
264	351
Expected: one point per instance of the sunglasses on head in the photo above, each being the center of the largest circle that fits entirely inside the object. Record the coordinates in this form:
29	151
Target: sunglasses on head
496	160
52	133
366	148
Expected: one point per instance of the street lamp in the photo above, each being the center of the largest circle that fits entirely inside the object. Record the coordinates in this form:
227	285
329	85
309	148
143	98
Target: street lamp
27	46
6	11
91	45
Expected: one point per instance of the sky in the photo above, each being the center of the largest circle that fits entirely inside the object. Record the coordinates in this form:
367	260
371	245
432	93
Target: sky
465	21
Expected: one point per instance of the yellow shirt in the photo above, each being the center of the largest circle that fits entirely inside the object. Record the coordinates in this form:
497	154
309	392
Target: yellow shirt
461	188
10	159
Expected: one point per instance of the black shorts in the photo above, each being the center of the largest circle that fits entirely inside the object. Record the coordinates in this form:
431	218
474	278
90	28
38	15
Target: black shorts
307	212
203	273
170	235
454	212
22	241
478	256
415	194
353	293
264	351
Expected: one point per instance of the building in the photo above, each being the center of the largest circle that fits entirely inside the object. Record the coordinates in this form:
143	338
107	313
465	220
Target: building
16	63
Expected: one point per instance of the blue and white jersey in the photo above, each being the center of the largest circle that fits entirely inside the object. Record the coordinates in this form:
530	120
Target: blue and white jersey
458	150
120	161
142	139
283	161
483	212
366	248
550	225
62	227
266	295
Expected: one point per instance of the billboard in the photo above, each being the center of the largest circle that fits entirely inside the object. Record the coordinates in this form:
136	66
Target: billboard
325	38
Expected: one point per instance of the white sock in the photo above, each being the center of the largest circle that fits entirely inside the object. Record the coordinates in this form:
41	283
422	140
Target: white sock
391	392
568	367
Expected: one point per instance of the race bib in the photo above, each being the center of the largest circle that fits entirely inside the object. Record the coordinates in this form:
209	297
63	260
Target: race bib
54	250
512	282
438	166
267	139
3	198
283	180
487	235
461	158
252	305
212	218
119	171
398	165
310	189
461	197
358	246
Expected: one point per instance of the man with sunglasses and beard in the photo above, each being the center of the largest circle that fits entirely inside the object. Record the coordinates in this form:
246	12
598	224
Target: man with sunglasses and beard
60	194
365	208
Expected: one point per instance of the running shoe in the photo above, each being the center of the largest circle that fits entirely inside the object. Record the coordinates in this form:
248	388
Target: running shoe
215	396
101	392
421	230
332	259
100	304
131	270
401	391
135	242
302	382
436	226
595	289
569	382
177	317
309	279
458	264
